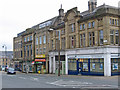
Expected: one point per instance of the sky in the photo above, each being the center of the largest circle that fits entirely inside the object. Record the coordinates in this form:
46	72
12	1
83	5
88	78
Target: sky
18	15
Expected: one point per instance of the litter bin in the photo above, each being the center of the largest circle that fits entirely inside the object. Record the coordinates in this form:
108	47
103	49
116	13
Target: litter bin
39	72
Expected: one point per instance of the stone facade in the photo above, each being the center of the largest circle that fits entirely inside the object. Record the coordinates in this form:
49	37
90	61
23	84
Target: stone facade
78	35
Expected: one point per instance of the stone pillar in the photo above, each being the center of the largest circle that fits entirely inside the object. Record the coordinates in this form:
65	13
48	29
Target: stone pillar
50	65
54	64
66	64
107	64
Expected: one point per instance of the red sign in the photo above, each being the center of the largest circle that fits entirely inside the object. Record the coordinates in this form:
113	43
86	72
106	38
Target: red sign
40	60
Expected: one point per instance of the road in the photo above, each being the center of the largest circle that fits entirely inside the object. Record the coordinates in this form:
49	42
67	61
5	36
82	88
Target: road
22	80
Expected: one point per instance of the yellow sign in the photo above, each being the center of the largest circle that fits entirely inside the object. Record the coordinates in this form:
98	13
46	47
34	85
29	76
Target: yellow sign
81	60
40	56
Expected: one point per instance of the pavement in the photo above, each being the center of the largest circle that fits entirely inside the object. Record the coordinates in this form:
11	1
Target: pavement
33	80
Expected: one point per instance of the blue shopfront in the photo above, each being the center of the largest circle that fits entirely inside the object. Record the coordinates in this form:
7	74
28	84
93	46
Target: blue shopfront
86	66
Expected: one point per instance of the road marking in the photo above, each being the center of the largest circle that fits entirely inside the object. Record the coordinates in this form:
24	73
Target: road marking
35	79
75	84
21	77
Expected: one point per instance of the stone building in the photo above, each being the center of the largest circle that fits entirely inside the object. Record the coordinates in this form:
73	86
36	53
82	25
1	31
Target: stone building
88	42
91	41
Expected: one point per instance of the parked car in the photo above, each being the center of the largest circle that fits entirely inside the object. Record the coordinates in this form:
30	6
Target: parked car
11	71
3	68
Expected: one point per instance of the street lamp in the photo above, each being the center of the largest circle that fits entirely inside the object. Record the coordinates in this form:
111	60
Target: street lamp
59	54
5	55
51	29
4	46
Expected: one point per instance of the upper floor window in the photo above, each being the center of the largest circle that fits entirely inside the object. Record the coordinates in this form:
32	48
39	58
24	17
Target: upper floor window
36	51
31	49
83	26
28	50
116	37
82	40
93	24
100	22
63	31
73	27
91	39
21	44
52	44
80	27
110	21
40	50
31	38
73	42
89	25
36	40
112	36
27	38
44	50
40	39
44	39
63	43
101	37
117	22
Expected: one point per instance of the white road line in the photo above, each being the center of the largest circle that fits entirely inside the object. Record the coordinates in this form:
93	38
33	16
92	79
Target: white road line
21	77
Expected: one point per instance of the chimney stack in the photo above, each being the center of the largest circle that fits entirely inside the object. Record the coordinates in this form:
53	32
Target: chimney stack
92	5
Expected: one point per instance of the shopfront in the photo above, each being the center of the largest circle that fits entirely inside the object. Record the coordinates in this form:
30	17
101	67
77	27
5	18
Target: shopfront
62	64
115	66
86	66
40	64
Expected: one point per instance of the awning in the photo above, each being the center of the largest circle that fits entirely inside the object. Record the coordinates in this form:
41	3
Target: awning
40	60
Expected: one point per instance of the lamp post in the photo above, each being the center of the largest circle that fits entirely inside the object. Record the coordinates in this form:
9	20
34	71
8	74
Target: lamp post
4	46
5	54
59	54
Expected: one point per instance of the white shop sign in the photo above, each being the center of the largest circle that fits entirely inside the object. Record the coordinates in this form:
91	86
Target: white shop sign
86	56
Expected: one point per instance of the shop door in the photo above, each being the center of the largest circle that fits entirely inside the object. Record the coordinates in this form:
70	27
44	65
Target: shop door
79	67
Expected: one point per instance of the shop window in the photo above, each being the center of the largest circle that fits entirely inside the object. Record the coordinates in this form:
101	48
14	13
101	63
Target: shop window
115	64
72	65
85	66
97	65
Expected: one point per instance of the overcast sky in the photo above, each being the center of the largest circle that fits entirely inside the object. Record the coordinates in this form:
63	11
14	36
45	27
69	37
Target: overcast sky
18	15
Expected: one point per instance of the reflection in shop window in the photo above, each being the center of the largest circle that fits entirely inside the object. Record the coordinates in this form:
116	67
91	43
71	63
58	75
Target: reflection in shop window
72	65
115	64
85	66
